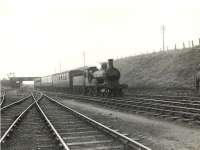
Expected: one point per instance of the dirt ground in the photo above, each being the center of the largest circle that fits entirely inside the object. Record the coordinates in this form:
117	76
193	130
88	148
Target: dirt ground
154	133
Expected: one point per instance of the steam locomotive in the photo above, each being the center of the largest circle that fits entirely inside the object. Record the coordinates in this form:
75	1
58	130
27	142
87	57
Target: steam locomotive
86	80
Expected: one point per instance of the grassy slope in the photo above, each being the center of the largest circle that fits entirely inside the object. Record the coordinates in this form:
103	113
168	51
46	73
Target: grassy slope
171	69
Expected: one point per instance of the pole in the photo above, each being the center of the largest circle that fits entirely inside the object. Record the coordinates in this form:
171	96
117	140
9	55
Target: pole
163	34
84	73
84	59
199	41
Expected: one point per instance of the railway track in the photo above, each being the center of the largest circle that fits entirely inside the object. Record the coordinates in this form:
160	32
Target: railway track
81	132
2	99
47	124
10	100
175	109
10	112
31	133
10	97
165	97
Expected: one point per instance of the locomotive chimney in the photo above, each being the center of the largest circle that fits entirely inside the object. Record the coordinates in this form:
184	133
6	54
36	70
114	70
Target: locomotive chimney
110	63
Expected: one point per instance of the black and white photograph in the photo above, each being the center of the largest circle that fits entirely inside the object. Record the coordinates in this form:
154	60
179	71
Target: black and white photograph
100	74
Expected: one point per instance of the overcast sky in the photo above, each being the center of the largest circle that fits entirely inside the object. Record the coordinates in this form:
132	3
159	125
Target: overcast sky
38	35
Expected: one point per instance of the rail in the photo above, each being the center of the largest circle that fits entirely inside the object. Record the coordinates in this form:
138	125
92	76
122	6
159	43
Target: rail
127	141
163	96
51	125
2	99
13	125
17	102
136	101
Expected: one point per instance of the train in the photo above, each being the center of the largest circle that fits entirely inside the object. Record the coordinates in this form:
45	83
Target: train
86	80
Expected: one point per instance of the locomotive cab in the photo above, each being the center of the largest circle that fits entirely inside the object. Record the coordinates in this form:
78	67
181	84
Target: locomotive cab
100	74
89	73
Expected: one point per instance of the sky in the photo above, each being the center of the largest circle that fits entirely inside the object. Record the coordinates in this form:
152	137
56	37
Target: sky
41	37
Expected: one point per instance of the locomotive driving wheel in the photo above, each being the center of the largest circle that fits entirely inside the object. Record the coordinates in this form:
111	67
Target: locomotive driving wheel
107	92
96	92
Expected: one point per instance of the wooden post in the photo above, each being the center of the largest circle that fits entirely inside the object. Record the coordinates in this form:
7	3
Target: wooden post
183	45
192	44
199	41
175	47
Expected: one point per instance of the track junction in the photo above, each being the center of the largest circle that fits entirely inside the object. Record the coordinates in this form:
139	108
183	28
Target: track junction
41	122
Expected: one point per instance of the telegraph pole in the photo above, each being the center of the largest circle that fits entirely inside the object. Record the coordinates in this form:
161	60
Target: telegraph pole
84	59
163	36
84	71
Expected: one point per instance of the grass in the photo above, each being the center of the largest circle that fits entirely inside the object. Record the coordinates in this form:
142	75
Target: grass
170	69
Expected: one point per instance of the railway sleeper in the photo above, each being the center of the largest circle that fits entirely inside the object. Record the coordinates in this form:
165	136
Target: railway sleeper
74	129
92	144
57	126
80	133
115	147
86	138
172	112
47	147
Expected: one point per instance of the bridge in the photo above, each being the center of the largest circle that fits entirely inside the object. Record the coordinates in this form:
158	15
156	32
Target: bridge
17	81
21	79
